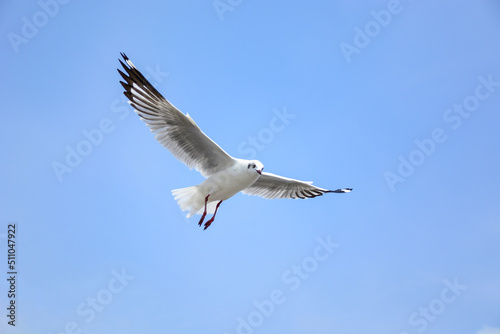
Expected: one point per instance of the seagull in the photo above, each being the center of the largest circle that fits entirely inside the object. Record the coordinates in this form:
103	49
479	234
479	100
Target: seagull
224	175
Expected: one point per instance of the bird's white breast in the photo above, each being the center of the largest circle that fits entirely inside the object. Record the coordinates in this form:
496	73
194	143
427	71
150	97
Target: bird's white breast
226	183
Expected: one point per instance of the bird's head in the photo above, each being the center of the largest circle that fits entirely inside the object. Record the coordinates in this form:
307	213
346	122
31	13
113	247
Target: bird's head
255	165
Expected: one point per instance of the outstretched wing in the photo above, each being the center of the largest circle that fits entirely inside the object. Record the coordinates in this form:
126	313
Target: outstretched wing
174	130
272	186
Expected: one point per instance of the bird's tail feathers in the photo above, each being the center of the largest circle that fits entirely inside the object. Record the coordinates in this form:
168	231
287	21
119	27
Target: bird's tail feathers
192	200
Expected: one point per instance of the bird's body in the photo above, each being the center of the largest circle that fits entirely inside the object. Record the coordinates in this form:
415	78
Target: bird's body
225	175
220	186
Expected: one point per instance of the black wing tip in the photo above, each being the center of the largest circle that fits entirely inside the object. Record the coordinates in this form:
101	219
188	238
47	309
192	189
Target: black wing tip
124	56
304	194
340	191
131	75
126	63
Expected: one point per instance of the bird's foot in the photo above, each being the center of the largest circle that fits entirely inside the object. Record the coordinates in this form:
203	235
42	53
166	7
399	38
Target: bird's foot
202	218
204	211
208	223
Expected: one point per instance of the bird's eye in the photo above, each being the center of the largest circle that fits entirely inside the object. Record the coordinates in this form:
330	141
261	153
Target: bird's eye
253	166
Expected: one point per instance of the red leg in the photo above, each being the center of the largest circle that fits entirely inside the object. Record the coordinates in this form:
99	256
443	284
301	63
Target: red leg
205	211
207	224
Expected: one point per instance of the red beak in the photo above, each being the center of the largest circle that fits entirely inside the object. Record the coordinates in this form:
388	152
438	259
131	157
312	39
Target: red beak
259	171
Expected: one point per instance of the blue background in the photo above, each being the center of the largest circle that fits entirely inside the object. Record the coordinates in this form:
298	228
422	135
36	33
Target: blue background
358	116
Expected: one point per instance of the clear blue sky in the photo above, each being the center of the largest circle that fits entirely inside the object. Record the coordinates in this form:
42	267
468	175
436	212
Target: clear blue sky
399	100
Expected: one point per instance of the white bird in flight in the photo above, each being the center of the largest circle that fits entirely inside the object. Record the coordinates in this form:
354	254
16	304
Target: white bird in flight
225	175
